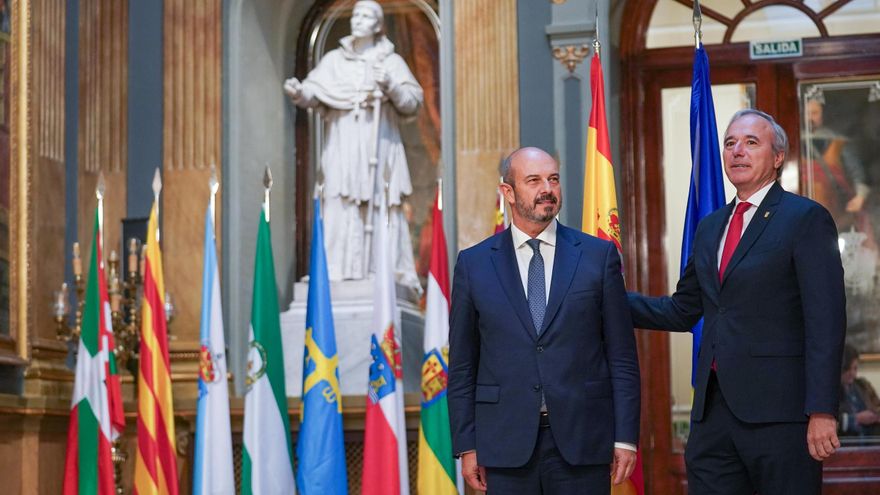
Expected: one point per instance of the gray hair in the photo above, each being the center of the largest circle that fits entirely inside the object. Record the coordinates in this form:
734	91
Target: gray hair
780	139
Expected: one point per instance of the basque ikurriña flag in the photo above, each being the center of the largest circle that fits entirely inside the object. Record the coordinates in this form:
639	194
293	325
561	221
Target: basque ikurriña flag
213	473
436	474
320	449
96	417
385	466
706	192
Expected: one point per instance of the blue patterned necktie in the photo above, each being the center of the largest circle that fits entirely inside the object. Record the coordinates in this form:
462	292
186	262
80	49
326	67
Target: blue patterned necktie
536	286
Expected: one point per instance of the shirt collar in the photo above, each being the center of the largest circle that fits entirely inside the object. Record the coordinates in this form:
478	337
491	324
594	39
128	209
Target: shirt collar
758	197
548	235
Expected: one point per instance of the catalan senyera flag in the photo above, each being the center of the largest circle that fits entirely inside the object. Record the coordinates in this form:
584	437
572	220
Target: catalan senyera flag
267	457
155	469
436	472
96	416
600	209
706	192
385	466
212	467
320	447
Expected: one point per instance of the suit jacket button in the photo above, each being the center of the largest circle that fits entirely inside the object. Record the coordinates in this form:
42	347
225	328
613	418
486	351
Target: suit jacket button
721	310
537	388
540	348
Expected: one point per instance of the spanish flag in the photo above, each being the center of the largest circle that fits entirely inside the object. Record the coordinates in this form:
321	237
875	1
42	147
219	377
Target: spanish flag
155	470
600	209
600	199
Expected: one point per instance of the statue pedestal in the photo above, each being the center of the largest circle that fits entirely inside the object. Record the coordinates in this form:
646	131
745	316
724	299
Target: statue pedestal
353	320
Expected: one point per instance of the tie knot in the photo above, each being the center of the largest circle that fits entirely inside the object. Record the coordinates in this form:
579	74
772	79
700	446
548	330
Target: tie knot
535	244
742	207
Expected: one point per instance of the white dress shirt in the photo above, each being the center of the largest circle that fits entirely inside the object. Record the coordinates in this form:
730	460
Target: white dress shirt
755	200
524	255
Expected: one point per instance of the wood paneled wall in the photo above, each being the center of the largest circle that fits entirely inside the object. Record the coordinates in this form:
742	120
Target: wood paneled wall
47	162
487	108
103	119
191	144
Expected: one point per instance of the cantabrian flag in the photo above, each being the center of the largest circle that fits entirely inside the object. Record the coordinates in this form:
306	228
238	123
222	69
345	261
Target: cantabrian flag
600	216
267	457
155	469
96	417
385	467
600	208
436	474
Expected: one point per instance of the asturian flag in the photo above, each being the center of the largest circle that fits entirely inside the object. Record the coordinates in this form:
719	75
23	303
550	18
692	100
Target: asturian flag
385	466
96	417
600	209
267	457
320	449
212	471
706	192
155	469
436	474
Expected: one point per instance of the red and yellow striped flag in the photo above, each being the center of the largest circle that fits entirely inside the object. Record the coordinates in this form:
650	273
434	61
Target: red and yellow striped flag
600	199
155	470
600	209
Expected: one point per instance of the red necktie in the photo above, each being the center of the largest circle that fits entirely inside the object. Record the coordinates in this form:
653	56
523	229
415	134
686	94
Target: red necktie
734	232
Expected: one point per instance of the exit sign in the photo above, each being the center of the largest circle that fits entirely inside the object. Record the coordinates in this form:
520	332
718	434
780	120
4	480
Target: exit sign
775	49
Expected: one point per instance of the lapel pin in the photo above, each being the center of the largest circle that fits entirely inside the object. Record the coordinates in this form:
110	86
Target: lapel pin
766	214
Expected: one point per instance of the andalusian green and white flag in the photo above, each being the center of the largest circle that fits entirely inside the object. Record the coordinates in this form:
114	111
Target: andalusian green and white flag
267	460
96	416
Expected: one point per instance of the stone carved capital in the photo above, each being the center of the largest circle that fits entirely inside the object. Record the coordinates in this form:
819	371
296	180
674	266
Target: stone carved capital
571	55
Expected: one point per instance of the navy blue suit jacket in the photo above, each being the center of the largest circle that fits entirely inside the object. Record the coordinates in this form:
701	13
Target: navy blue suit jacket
584	360
776	323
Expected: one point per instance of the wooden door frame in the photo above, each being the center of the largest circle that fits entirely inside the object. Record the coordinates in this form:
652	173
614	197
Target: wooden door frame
644	73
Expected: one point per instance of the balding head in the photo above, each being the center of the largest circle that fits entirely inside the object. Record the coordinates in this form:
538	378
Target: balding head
531	187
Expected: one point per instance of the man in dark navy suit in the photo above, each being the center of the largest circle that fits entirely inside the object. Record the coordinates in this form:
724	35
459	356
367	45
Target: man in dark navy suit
765	274
543	373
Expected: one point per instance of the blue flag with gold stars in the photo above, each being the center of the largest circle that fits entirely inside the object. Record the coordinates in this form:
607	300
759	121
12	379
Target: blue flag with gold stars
320	448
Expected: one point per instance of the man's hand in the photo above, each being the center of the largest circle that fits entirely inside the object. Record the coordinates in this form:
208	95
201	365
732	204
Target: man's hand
822	436
623	465
473	473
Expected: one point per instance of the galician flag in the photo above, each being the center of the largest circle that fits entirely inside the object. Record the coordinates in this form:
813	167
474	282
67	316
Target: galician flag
96	417
212	470
267	457
600	209
320	449
385	466
437	474
155	469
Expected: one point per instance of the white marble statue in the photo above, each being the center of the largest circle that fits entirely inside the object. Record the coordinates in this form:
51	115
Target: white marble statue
341	87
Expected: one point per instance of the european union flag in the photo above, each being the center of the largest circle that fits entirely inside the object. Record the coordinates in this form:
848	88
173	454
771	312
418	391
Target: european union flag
320	447
706	192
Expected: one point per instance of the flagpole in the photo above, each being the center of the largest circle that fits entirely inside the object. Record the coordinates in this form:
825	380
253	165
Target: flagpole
157	189
267	184
698	23
99	193
213	186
